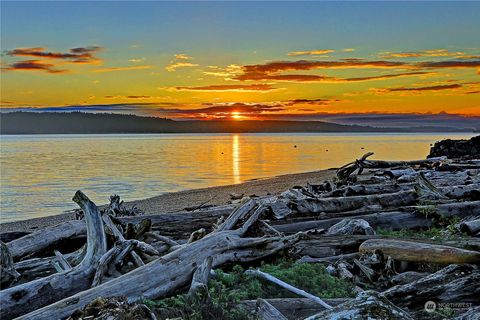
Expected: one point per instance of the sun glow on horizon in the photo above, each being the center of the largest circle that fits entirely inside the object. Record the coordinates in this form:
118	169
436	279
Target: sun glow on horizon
236	115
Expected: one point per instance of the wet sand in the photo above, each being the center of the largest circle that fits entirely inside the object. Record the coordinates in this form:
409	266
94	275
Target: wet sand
177	201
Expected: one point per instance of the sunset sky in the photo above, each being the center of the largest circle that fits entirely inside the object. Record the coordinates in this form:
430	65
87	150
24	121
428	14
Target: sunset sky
251	60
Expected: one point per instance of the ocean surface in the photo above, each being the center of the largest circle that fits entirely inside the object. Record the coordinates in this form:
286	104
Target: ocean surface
40	173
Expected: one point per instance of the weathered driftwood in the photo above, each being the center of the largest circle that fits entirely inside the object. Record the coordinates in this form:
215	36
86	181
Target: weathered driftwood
420	252
38	293
367	189
329	260
265	311
318	205
12	235
300	292
407	277
394	220
455	209
175	269
35	268
344	173
40	240
453	283
200	278
8	273
471	227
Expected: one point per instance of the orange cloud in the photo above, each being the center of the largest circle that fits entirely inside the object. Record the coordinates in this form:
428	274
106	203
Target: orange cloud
312	52
174	66
182	56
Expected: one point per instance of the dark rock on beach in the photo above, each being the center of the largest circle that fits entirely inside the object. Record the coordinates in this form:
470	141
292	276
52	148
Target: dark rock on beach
467	149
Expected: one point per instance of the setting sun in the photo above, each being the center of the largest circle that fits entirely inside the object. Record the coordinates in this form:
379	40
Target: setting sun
236	115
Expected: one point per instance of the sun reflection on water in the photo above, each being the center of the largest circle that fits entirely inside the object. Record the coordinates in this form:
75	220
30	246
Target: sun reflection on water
236	158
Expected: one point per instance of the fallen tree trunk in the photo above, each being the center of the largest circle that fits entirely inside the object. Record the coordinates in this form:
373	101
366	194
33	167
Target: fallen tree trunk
471	227
38	293
394	220
397	199
420	252
456	209
175	269
40	240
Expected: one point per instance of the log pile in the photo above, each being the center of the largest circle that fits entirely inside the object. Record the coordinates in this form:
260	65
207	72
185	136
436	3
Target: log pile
111	259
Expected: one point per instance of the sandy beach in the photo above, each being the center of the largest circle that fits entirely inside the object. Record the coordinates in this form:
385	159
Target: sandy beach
177	201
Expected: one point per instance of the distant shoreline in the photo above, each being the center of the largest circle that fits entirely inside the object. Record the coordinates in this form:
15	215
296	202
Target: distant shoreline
104	123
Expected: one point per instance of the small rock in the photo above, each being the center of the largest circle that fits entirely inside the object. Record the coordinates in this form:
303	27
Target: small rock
236	196
331	270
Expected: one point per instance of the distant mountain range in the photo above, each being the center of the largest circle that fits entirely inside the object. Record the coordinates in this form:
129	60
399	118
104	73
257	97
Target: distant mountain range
90	123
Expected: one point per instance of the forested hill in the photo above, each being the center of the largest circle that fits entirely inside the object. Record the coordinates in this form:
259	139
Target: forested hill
88	123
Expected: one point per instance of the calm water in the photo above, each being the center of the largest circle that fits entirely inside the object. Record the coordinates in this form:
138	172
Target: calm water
40	174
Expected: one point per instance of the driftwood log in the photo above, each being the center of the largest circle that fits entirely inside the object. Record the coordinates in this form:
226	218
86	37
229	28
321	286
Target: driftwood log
420	252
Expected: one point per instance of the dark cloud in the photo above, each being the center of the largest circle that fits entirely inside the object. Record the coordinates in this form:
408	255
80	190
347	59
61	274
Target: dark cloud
449	64
35	65
228	108
128	97
278	66
429	88
75	55
309	101
276	70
